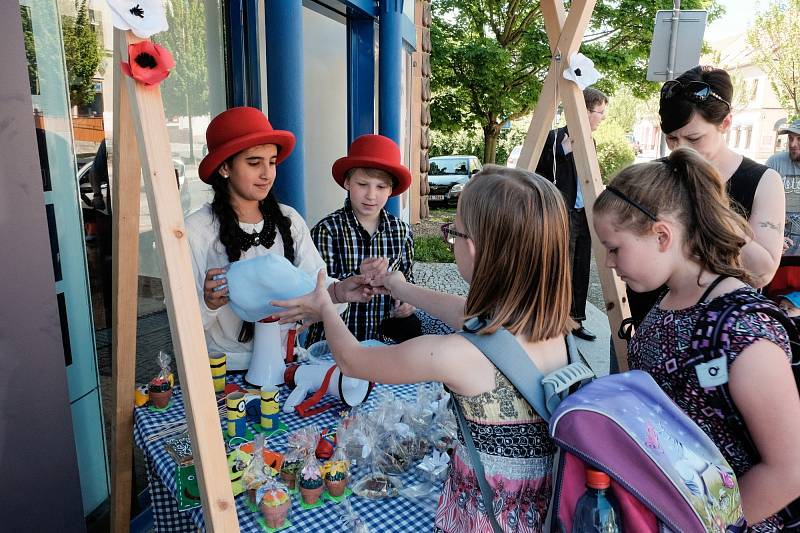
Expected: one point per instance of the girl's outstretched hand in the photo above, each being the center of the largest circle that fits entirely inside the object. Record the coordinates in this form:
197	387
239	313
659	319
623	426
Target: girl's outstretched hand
388	282
307	308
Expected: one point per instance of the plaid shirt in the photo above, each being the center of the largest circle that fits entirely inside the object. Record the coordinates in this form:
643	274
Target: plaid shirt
343	244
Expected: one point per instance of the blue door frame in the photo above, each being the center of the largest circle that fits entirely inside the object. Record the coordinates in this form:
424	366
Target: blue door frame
285	87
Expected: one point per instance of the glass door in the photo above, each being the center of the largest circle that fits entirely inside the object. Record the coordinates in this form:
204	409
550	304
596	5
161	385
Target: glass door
51	88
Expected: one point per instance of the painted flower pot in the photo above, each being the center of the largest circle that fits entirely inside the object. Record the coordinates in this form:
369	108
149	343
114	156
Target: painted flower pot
290	478
160	399
336	488
275	515
310	496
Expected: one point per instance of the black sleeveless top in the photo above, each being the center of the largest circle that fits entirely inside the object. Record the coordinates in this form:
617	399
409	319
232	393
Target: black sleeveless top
741	189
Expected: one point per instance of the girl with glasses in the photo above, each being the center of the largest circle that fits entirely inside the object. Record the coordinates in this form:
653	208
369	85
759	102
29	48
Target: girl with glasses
510	240
695	111
670	223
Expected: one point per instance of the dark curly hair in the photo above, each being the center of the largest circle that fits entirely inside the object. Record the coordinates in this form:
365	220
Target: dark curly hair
223	211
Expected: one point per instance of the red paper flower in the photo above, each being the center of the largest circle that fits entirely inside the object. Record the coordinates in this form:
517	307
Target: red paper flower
149	63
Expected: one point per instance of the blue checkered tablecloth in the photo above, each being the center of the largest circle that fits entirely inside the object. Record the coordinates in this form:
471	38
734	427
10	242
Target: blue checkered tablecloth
388	515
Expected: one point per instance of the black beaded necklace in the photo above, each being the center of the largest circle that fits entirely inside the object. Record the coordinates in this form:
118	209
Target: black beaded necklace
265	237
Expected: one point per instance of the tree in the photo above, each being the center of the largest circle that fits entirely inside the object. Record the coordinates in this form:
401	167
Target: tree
775	39
490	57
83	53
185	91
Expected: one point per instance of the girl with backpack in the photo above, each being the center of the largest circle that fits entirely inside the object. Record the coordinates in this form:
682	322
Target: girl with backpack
670	222
510	239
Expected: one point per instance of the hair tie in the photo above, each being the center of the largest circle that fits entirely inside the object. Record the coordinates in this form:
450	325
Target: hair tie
619	193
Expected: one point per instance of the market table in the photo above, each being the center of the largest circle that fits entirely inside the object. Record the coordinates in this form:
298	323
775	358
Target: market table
398	514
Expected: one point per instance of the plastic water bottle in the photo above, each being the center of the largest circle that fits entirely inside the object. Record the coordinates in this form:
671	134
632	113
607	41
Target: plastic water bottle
595	511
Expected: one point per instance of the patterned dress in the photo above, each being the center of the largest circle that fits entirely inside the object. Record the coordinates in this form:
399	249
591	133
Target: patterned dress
660	347
517	456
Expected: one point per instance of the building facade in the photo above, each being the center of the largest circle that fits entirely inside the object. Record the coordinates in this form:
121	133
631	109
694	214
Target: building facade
328	70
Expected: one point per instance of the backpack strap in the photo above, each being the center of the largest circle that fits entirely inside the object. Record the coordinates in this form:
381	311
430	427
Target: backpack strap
543	393
709	345
477	466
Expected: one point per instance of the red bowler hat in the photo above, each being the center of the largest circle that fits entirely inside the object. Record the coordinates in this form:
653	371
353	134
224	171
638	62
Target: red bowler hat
374	151
238	129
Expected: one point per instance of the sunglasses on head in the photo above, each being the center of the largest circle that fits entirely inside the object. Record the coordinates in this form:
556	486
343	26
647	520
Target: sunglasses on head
694	91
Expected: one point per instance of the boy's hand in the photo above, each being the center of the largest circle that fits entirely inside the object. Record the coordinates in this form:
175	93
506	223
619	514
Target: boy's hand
402	309
388	282
354	289
308	308
373	266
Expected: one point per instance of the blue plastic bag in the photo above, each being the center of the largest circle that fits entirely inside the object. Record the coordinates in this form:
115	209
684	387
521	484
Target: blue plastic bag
254	283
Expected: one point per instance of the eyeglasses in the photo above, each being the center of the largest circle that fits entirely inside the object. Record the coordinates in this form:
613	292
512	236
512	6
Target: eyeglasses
449	234
601	113
694	91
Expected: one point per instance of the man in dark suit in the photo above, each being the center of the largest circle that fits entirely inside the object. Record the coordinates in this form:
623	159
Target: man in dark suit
557	164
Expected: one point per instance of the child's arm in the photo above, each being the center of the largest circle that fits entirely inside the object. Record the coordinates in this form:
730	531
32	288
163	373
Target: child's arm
428	358
762	386
446	307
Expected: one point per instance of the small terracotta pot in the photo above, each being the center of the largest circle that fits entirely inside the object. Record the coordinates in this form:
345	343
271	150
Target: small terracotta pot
310	496
275	516
336	488
289	478
160	399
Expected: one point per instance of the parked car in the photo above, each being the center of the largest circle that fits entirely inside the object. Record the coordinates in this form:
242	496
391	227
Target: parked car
513	157
99	203
447	176
637	148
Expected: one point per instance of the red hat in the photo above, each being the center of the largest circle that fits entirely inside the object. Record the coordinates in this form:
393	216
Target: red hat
238	129
374	151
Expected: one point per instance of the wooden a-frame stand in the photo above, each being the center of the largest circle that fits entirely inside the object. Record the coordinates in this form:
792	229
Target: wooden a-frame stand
564	34
141	138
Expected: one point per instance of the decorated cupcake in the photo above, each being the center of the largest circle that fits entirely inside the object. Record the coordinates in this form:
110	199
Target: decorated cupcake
311	485
274	503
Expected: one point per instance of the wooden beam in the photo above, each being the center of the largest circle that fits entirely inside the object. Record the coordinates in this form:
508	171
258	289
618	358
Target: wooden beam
565	35
540	123
125	265
202	417
588	171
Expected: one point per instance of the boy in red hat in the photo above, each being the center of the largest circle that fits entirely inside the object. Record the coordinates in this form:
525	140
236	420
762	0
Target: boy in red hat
363	229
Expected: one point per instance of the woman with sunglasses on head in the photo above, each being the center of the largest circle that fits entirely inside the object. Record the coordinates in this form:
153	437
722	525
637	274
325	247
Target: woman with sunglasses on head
695	111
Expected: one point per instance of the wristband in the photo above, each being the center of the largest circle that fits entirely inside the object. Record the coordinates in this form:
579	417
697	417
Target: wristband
336	296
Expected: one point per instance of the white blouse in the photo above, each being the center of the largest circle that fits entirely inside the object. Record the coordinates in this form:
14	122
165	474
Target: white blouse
221	325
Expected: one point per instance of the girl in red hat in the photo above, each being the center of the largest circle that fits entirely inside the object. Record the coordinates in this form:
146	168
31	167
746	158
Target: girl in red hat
245	220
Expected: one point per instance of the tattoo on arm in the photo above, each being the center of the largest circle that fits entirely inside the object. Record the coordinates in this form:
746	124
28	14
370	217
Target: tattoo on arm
770	225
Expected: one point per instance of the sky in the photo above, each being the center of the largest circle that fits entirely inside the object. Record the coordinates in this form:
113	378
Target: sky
738	15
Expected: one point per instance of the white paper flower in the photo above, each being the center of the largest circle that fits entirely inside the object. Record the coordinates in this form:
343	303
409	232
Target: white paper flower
581	70
142	17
